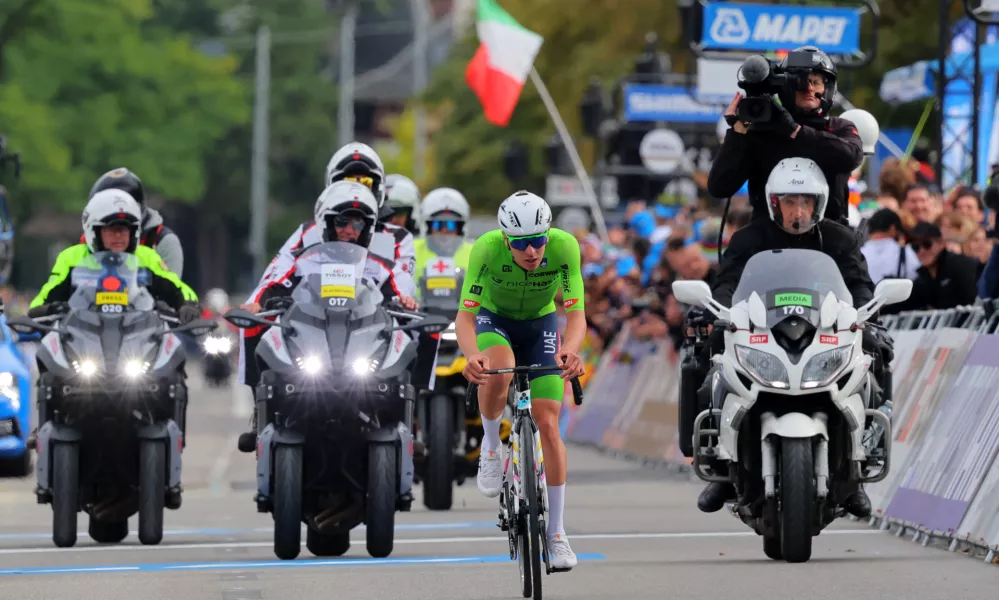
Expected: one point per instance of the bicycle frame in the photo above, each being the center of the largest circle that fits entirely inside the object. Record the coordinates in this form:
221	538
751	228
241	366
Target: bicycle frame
522	412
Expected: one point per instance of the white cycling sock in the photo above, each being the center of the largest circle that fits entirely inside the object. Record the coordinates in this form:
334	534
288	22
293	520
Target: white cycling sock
490	434
556	502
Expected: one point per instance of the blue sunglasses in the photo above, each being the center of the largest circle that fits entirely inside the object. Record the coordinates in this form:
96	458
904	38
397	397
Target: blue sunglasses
443	225
521	244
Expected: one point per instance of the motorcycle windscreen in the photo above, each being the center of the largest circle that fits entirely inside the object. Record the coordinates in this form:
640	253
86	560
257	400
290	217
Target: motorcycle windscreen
791	283
110	282
333	277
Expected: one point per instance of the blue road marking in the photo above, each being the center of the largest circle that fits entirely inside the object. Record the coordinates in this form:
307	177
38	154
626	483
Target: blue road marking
272	564
213	531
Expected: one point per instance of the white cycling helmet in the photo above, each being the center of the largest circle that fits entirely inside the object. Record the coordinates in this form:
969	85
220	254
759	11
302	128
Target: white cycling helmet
797	177
217	300
401	192
110	207
523	214
867	128
358	162
346	198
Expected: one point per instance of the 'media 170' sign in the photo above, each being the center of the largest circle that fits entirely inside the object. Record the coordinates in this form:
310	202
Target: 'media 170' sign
731	26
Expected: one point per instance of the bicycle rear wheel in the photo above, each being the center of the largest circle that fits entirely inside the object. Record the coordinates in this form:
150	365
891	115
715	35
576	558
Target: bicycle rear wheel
531	540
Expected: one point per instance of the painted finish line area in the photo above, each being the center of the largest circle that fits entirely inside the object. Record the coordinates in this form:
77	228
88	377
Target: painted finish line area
272	564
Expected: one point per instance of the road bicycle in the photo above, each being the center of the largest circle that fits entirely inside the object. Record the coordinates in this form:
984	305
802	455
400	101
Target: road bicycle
524	500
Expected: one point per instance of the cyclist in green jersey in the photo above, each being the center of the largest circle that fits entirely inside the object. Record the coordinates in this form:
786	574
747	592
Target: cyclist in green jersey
507	317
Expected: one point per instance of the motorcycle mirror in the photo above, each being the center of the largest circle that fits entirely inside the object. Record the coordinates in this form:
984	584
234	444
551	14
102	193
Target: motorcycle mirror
198	328
244	319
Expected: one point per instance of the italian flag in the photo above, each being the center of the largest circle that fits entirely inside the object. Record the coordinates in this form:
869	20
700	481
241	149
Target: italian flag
502	63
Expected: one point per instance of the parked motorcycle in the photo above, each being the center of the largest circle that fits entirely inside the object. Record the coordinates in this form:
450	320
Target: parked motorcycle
791	397
112	401
334	406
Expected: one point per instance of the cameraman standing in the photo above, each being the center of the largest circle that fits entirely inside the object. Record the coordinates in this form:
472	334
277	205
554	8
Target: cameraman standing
799	126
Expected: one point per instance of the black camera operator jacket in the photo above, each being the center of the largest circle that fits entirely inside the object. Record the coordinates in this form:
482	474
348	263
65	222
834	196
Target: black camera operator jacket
837	150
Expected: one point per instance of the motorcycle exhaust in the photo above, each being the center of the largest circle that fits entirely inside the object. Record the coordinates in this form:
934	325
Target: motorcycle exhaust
330	518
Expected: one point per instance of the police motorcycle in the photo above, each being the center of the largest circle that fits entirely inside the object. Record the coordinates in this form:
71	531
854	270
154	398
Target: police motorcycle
334	406
111	401
791	397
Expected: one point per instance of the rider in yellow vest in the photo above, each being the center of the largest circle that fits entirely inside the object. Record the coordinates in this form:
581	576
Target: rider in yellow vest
444	212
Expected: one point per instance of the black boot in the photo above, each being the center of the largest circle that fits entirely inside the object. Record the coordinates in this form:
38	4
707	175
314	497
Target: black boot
858	504
248	439
714	497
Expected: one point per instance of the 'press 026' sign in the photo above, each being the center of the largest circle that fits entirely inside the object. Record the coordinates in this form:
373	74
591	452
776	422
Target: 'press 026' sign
730	26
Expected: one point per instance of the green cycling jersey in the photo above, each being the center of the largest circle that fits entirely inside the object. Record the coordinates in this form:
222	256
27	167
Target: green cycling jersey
495	282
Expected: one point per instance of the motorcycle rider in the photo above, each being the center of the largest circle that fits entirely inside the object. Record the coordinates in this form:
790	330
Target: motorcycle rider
111	222
346	211
798	194
403	197
154	233
800	127
445	212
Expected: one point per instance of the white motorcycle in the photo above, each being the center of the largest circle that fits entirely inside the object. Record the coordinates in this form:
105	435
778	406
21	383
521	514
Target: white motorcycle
791	397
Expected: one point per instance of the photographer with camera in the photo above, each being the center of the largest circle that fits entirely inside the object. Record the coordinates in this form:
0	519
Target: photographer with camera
785	114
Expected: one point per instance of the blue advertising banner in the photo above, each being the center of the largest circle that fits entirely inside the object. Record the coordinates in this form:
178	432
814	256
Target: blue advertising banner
730	26
651	102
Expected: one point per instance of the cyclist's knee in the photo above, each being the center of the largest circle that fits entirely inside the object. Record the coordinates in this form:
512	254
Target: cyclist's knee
546	413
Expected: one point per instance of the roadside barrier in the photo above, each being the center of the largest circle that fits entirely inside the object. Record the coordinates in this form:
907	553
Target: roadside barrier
944	480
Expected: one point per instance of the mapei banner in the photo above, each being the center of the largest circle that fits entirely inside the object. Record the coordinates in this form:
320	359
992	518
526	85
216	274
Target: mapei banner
764	27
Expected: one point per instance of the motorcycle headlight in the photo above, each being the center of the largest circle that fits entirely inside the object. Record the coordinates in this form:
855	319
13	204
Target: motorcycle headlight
449	335
764	367
8	387
217	344
361	366
135	368
311	365
823	368
86	367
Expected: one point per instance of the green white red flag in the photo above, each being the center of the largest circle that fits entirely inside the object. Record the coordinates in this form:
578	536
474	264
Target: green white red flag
502	63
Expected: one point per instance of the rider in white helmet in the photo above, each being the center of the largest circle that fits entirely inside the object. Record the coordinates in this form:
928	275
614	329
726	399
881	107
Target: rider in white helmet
217	301
445	213
346	211
358	163
111	222
797	193
403	197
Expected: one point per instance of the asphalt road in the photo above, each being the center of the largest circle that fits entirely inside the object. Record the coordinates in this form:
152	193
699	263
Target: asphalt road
636	530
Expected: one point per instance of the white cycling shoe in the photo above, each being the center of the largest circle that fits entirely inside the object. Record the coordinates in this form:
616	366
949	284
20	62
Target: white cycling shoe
490	477
562	556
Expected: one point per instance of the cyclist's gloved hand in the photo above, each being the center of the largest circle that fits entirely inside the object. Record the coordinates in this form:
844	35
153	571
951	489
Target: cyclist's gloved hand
474	368
572	365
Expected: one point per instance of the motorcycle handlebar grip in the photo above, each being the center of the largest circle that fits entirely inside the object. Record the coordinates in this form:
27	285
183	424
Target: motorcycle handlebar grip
577	391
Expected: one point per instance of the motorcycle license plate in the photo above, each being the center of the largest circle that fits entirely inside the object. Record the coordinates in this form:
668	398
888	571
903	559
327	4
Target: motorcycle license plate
440	283
119	298
337	281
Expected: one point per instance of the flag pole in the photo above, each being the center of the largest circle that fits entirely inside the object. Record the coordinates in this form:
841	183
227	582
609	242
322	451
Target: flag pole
577	163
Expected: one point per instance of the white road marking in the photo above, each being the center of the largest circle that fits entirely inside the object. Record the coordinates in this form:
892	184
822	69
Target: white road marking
412	541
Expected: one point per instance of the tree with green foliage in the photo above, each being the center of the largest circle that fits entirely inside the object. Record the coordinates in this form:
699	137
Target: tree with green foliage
88	85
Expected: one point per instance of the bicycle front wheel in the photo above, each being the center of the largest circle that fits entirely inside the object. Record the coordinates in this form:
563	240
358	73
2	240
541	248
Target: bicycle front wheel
529	480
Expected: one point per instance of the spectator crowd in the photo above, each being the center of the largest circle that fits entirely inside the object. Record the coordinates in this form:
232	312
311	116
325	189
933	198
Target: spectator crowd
909	228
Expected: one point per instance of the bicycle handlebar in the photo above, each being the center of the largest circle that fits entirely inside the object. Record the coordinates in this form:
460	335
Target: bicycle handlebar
470	394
